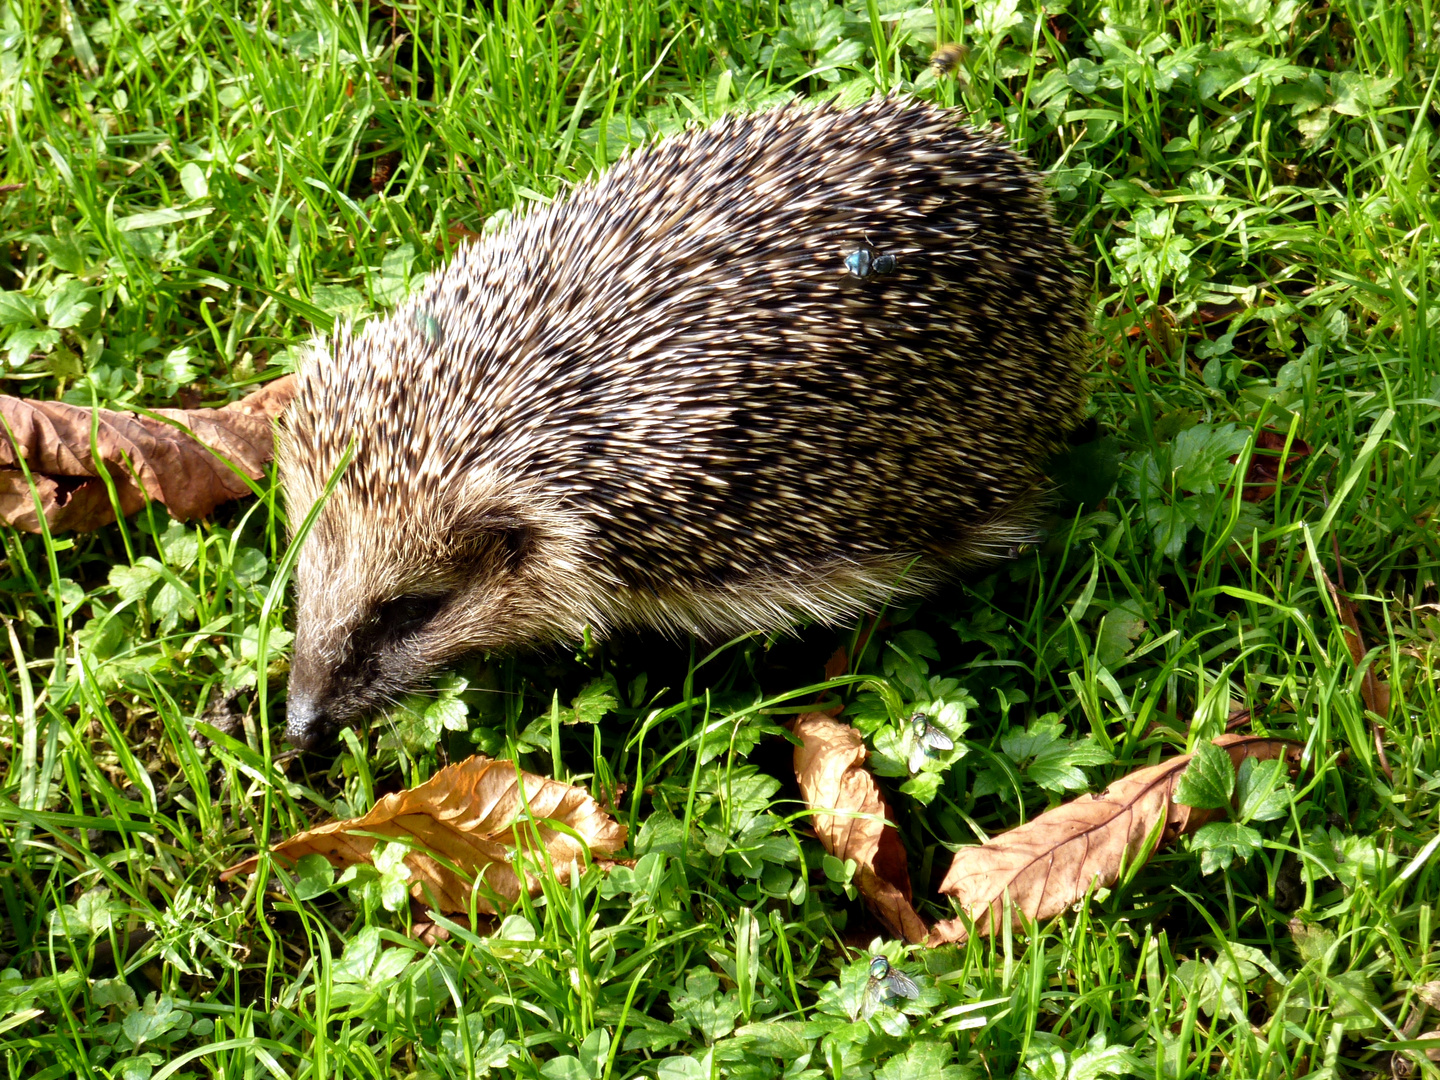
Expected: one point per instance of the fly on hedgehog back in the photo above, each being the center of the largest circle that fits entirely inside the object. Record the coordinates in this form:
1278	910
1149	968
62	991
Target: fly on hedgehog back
679	398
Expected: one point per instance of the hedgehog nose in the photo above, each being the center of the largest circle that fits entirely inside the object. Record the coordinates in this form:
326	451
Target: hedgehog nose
305	721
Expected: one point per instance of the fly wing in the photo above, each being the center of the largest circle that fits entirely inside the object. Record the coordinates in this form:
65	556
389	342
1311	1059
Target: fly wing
901	985
935	739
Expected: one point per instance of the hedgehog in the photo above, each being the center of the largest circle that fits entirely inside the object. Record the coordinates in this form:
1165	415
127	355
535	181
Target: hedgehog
671	400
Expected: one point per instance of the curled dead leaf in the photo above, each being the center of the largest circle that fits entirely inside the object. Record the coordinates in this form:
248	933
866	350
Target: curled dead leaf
1406	1063
1374	693
145	457
853	820
467	822
837	665
1053	860
1432	1053
1429	993
1263	473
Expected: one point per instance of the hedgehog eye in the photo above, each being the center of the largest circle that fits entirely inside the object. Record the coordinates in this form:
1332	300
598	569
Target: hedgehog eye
405	615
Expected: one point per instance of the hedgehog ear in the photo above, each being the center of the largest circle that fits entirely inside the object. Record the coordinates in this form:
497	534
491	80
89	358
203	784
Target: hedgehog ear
516	541
492	533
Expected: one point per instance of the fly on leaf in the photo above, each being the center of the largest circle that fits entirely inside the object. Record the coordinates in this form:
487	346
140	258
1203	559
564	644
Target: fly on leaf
886	982
928	740
928	735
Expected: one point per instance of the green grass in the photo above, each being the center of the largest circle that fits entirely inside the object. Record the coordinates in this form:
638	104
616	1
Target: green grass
1254	183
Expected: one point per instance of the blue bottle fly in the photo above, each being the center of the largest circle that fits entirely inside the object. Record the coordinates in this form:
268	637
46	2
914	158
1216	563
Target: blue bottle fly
928	736
886	981
865	263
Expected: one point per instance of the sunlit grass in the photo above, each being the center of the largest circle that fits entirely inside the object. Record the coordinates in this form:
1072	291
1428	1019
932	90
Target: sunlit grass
201	184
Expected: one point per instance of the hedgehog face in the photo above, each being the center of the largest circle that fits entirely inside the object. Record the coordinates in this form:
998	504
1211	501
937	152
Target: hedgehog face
375	620
355	657
380	610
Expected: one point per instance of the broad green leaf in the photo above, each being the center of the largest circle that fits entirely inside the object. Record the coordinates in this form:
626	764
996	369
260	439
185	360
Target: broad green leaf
249	565
923	787
155	1018
566	1067
1221	842
66	306
21	343
91	915
489	1048
1099	1060
179	365
133	582
1058	766
1122	624
924	1059
1021	745
704	1007
114	993
786	1039
360	954
681	1067
1356	94
1200	456
594	1051
180	545
1169	527
1261	791
598	699
1354	1001
340	300
448	714
314	876
18	309
174	601
1209	779
1050	760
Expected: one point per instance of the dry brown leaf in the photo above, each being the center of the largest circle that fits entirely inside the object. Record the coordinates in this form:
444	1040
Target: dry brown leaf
456	235
1051	862
1373	692
1209	313
145	457
1263	473
471	815
837	665
1432	1053
1238	717
853	820
1405	1063
1429	993
427	932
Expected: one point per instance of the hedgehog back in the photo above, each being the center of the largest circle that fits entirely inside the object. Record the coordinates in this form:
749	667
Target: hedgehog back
675	354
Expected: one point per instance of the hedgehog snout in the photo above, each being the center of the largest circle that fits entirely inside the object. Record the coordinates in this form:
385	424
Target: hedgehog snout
306	721
347	669
310	715
322	699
